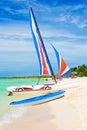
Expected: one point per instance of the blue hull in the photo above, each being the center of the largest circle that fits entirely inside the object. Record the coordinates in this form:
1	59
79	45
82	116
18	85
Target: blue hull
39	99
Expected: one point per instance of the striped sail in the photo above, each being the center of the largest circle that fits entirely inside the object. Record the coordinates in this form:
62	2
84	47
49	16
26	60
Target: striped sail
63	68
45	66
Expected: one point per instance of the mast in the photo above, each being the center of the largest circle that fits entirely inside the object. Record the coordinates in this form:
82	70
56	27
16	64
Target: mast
42	44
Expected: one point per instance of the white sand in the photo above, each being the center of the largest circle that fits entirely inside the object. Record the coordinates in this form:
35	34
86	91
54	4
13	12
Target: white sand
67	113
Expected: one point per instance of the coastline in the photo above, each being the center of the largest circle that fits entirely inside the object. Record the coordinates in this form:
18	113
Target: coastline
67	113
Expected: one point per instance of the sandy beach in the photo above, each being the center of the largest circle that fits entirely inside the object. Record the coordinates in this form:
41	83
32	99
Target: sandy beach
66	113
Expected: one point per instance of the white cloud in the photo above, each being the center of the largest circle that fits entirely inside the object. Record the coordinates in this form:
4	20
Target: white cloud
16	11
66	13
75	14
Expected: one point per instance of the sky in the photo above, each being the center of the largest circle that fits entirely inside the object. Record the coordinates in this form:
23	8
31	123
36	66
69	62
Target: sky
61	22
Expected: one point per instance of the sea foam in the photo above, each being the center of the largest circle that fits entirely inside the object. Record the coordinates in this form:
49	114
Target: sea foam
14	114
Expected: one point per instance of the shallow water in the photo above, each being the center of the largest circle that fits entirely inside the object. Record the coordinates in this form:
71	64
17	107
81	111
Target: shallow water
5	99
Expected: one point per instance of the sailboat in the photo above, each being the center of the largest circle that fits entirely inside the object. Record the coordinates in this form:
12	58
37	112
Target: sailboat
44	62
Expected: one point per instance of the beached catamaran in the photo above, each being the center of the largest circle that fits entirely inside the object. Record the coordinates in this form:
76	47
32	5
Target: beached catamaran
45	68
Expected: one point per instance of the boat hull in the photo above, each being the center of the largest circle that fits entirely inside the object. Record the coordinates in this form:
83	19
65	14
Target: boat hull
39	99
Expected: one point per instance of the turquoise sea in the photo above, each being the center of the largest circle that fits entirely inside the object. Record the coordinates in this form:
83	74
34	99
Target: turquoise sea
5	108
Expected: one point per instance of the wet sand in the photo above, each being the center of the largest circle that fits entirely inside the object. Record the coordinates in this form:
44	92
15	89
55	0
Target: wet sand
66	113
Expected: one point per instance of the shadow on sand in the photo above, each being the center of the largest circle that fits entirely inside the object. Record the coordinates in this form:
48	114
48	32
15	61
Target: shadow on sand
48	101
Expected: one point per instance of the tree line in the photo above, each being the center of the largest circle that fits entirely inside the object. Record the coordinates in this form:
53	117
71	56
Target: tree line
80	70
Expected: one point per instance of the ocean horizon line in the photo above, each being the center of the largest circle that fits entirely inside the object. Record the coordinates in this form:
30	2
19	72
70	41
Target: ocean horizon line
33	76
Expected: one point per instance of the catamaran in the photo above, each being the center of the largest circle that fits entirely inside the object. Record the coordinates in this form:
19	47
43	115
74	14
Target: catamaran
44	62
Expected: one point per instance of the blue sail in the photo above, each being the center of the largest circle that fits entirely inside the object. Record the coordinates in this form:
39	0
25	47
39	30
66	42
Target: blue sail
63	68
45	66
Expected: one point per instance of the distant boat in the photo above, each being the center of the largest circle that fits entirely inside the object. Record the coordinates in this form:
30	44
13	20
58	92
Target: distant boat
44	62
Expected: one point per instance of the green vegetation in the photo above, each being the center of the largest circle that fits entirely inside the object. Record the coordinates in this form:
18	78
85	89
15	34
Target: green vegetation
26	77
80	70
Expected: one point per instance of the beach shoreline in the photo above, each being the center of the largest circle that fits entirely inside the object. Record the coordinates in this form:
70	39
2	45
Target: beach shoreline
66	113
